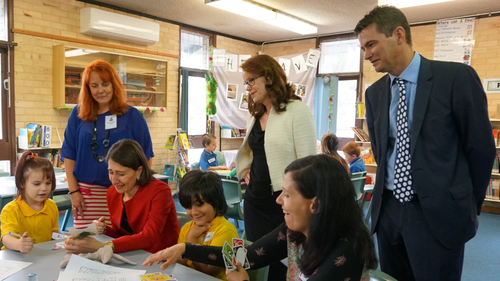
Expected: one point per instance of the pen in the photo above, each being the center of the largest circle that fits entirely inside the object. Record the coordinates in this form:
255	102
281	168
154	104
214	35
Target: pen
17	235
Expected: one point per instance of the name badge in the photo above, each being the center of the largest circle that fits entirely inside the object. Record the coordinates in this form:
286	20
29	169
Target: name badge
303	277
110	122
211	160
209	237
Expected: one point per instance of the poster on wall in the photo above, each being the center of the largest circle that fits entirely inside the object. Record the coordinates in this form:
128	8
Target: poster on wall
300	90
231	91
312	58
285	64
244	102
242	59
231	63
299	64
454	40
219	56
492	86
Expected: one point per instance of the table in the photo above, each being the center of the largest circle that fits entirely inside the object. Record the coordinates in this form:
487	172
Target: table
46	263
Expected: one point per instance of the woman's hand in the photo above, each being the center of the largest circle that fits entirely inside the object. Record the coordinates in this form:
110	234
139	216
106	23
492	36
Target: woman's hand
78	204
247	177
77	246
100	225
240	275
169	255
25	243
196	231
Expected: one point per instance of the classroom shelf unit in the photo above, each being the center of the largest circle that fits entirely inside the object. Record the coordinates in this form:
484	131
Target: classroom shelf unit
145	79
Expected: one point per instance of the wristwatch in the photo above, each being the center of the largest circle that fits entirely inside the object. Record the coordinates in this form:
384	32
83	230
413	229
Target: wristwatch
110	243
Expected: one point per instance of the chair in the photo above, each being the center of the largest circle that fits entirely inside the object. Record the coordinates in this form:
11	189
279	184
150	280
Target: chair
183	218
358	174
232	192
194	166
368	189
63	203
256	274
358	184
220	158
377	275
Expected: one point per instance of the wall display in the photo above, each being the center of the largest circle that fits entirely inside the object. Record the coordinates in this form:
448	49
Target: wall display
231	64
454	40
300	90
231	91
492	86
285	64
219	57
299	64
244	102
312	58
242	59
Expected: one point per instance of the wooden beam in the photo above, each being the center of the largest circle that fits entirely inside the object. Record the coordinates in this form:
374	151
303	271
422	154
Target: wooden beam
87	42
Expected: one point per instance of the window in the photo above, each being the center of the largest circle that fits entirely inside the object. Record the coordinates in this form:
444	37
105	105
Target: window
341	56
194	50
346	109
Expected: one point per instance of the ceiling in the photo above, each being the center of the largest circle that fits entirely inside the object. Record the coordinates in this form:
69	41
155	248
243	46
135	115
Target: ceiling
330	16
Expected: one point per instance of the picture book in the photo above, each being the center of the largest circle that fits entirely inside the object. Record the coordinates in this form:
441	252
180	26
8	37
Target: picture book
32	133
181	171
171	142
183	158
169	171
367	155
183	140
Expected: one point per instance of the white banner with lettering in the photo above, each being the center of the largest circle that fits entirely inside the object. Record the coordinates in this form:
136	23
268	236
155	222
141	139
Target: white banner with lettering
231	94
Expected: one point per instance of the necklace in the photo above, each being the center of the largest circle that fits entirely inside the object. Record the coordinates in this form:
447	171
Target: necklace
95	146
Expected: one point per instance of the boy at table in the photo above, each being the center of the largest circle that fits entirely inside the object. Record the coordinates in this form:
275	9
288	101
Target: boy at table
208	159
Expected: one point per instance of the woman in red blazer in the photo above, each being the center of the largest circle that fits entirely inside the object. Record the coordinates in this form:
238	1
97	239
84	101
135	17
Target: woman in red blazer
142	211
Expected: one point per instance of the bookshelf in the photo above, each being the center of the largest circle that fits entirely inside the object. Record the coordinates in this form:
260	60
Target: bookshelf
492	205
145	79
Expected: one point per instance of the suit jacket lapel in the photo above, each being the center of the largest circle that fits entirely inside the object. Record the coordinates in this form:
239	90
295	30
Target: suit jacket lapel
422	95
384	102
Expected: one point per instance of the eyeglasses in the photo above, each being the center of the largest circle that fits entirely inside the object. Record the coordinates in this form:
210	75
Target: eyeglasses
250	82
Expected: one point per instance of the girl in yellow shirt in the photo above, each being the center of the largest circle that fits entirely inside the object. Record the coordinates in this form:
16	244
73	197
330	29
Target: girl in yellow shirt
202	195
32	214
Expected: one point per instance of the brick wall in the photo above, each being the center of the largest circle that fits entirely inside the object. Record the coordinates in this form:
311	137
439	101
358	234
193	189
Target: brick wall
33	68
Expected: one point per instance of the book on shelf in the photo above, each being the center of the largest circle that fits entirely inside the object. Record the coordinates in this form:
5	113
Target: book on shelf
367	155
495	136
495	169
235	132
170	142
492	192
170	170
33	131
183	158
46	136
183	140
181	171
360	134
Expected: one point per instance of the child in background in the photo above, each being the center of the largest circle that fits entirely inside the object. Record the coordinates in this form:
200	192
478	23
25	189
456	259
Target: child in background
203	197
352	156
208	159
329	146
32	214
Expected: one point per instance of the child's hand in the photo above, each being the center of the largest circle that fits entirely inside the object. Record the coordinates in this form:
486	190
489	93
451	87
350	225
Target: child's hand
196	231
100	225
240	275
170	255
223	168
25	243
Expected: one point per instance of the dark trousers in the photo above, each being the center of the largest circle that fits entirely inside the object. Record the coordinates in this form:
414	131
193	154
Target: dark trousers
263	215
407	248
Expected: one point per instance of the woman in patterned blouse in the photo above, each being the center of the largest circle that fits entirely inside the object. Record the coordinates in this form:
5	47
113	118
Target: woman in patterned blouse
323	236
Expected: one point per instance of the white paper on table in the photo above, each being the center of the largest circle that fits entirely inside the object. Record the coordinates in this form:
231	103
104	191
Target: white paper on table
9	267
79	267
90	228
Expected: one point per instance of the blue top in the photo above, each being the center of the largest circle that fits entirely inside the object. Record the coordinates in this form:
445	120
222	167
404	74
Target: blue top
78	137
208	159
357	165
410	75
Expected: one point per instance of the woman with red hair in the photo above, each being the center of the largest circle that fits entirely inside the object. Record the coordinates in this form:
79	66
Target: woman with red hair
101	118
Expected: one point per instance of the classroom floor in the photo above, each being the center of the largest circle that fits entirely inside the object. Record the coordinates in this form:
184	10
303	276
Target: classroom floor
481	253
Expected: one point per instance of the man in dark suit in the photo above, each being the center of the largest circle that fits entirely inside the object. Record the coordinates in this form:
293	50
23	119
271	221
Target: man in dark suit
433	144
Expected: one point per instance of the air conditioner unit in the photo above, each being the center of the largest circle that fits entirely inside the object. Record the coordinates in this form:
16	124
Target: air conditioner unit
111	25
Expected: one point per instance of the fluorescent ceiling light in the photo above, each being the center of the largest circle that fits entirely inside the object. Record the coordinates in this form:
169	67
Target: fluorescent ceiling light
78	52
292	24
409	3
265	14
243	8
